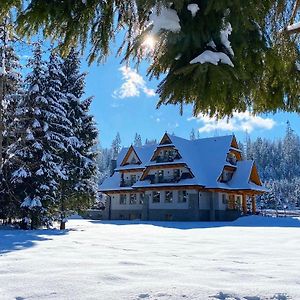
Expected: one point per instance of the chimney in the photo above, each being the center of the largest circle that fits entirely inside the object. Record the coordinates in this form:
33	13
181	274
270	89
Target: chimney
113	165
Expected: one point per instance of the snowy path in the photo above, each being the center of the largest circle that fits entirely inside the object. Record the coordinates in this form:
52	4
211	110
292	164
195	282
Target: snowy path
253	258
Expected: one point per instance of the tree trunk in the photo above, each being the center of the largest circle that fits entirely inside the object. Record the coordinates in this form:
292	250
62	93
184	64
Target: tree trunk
62	225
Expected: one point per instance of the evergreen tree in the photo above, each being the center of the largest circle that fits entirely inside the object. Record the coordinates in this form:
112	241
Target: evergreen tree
116	146
32	160
137	140
104	159
150	142
80	189
12	93
220	56
192	135
291	153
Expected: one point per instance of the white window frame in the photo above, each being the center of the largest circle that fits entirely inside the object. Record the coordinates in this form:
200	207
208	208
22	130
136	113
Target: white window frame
132	198
158	194
122	198
182	196
170	200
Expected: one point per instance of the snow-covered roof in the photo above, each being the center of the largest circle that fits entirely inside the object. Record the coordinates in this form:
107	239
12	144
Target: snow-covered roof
144	153
206	159
112	183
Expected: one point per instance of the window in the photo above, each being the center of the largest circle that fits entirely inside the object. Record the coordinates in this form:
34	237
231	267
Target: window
133	160
133	179
160	175
226	176
182	196
142	197
132	199
123	199
176	173
169	197
224	199
156	197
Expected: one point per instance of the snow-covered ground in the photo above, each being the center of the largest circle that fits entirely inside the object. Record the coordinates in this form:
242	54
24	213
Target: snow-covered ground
252	258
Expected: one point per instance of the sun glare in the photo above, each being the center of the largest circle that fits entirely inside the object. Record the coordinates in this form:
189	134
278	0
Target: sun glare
149	42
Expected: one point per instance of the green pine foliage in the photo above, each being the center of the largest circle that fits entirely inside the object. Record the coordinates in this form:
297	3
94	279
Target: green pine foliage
264	77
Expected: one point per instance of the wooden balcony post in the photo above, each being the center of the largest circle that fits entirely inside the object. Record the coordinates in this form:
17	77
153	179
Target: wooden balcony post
253	200
244	204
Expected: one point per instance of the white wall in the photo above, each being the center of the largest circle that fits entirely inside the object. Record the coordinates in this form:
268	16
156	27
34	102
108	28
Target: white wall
174	205
204	200
115	202
127	175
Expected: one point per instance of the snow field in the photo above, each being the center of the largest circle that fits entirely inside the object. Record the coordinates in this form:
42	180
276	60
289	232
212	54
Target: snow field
253	258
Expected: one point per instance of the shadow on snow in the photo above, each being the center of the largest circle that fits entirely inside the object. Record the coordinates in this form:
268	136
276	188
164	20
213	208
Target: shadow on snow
13	240
247	221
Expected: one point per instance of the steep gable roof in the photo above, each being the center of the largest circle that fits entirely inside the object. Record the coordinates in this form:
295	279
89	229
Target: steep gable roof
144	154
126	157
205	158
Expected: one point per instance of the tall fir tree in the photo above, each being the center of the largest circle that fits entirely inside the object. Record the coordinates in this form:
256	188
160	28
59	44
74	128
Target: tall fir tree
192	135
137	140
116	146
80	189
11	95
33	160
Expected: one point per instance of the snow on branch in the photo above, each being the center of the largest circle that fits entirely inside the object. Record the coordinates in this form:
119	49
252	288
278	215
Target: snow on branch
165	18
211	57
193	8
224	35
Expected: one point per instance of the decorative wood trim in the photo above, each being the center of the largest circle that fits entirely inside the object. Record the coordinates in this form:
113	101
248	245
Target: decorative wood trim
165	138
254	177
234	143
236	192
237	154
123	163
155	154
229	168
244	193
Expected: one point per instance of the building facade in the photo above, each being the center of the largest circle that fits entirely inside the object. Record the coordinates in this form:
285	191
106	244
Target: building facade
182	180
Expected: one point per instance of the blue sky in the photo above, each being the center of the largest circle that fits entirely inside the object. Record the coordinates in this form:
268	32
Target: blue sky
125	102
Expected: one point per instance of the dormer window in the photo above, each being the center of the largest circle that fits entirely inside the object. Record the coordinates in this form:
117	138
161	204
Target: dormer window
231	158
226	175
133	160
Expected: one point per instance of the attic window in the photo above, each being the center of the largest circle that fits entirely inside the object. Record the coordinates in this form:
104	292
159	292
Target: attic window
133	160
226	176
231	158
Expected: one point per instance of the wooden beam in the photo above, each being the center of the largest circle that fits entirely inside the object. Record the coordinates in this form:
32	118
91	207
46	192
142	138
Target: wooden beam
244	203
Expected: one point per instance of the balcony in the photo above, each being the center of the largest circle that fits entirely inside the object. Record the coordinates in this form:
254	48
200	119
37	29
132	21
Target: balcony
127	183
167	179
167	158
